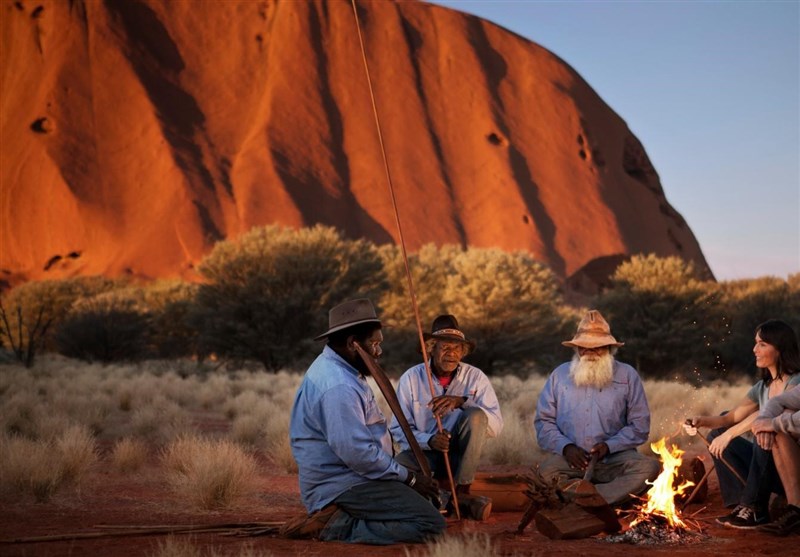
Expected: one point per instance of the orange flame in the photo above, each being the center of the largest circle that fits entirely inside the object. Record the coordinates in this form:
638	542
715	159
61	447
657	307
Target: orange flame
660	499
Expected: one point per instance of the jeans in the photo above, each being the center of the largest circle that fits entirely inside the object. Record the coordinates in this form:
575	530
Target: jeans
755	465
618	476
381	513
466	445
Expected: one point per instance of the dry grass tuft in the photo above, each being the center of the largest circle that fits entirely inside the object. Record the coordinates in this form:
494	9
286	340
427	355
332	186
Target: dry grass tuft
128	455
182	547
470	545
42	467
211	474
77	450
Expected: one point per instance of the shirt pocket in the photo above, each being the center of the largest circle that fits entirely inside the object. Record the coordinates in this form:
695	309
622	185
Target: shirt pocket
373	414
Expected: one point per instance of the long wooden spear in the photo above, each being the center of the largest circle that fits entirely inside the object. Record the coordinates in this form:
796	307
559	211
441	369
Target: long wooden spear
411	290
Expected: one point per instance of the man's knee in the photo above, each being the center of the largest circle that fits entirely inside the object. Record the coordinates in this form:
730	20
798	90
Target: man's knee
475	419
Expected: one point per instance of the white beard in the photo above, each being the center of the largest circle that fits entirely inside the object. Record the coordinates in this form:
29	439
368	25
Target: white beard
587	373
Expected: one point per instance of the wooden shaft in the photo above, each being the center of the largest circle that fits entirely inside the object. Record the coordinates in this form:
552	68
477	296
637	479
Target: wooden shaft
723	461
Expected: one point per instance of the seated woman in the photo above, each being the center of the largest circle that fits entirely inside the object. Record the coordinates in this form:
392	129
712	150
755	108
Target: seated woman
778	357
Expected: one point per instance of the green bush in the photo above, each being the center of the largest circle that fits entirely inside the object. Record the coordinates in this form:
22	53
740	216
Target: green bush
268	293
32	311
666	316
106	328
747	304
508	302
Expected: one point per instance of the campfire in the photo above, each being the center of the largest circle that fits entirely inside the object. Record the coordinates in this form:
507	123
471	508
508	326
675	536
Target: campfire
657	520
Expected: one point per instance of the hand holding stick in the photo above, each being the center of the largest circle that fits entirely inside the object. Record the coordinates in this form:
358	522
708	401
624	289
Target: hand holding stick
721	458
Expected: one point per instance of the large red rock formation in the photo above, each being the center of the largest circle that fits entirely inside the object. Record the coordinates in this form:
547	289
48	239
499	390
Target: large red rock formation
135	134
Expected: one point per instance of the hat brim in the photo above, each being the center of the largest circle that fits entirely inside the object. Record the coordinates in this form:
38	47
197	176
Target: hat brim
344	326
451	338
592	342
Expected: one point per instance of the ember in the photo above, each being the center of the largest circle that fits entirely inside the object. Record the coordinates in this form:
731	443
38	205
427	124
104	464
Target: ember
656	531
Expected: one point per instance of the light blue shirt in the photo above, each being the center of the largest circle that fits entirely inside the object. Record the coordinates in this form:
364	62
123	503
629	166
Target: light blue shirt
617	415
414	394
338	433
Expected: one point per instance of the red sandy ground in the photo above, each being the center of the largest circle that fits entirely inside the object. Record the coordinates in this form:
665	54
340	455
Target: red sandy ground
142	499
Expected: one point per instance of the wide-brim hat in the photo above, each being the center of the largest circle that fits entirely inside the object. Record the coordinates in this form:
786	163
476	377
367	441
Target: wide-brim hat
349	314
593	332
445	327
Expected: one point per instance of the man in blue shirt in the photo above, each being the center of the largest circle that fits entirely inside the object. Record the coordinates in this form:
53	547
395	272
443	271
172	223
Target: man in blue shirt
464	401
594	408
352	488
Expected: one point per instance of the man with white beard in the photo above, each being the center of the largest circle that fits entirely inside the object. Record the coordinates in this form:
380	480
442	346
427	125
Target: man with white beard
592	415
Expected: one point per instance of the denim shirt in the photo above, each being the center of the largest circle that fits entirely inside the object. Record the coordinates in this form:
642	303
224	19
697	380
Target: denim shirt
338	433
414	394
617	415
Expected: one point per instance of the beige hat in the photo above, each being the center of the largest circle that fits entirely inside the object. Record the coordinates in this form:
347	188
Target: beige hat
349	314
593	332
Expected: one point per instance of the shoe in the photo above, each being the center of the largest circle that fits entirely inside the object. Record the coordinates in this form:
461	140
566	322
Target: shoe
785	524
308	526
742	518
475	507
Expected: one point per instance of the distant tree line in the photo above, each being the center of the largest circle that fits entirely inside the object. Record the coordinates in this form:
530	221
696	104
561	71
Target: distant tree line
266	294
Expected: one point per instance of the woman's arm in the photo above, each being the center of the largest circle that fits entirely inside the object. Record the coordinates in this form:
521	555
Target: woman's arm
739	413
720	443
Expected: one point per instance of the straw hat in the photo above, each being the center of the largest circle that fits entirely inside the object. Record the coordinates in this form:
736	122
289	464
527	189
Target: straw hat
349	314
593	332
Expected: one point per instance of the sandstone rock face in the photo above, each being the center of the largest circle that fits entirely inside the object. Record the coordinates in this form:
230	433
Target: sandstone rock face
135	134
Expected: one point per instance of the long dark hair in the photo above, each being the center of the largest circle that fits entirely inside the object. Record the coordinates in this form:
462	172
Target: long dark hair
780	335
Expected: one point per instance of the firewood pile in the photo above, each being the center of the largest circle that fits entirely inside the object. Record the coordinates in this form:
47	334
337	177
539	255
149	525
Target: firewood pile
569	509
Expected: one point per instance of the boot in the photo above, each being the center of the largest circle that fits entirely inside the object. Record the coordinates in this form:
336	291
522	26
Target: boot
475	507
308	526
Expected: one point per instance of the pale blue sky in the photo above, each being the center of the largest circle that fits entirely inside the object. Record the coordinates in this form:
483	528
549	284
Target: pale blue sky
712	89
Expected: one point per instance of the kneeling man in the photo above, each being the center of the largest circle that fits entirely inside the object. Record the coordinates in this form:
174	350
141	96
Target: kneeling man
593	409
352	488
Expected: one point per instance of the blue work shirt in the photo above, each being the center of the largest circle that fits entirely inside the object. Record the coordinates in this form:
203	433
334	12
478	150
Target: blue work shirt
617	415
338	433
414	395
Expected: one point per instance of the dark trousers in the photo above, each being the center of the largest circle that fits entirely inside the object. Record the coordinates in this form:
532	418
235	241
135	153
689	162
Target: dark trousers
755	465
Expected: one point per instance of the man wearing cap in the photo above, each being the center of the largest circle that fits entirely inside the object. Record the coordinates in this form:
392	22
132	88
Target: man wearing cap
352	488
594	410
466	404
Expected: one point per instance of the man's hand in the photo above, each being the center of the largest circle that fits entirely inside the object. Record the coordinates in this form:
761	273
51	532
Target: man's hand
576	457
765	432
440	441
444	404
601	450
422	484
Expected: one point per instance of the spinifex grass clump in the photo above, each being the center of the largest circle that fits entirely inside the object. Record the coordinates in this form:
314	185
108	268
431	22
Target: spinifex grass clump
129	455
42	467
211	474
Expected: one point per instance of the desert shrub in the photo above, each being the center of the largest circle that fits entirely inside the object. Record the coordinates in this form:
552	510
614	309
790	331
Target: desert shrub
664	314
106	328
508	302
269	292
210	474
167	303
128	455
31	311
748	303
